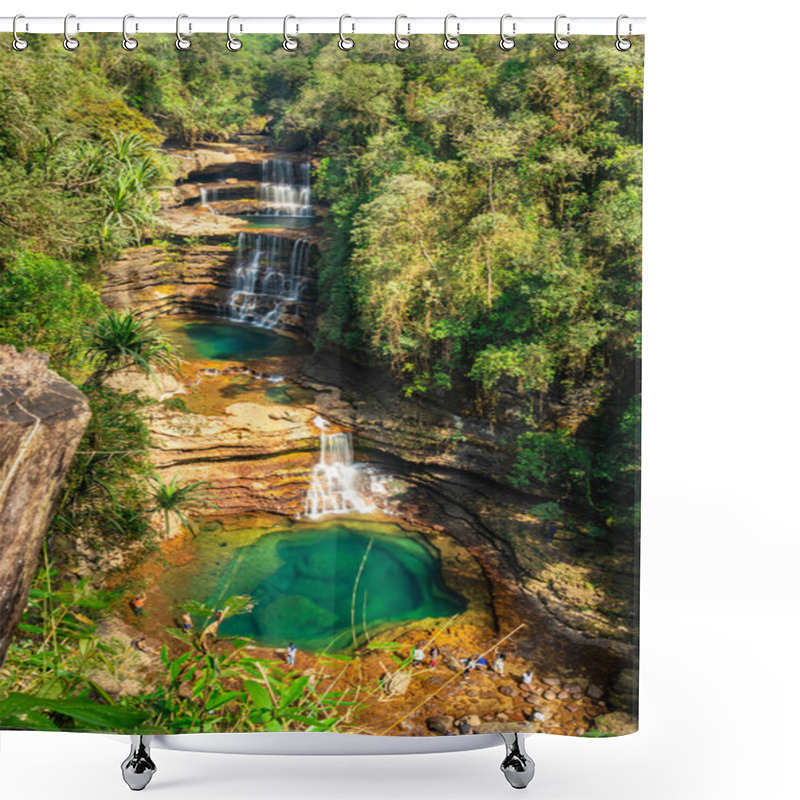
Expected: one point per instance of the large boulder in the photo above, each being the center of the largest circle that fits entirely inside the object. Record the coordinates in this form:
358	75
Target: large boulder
42	419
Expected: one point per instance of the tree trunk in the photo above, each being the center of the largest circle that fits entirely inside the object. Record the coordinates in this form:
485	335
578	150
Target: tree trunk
42	419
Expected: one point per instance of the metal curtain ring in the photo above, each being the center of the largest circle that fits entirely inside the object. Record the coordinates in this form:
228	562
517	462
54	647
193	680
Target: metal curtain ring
400	42
345	42
451	42
19	44
128	42
181	42
70	42
623	44
233	44
507	42
559	42
289	44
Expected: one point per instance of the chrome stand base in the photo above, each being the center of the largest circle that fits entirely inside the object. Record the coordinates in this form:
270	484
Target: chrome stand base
517	766
138	768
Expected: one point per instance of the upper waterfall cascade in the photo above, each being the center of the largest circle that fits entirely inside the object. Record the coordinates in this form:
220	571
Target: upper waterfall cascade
286	188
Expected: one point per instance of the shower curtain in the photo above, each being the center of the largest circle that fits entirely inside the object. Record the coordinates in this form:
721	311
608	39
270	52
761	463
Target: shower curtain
338	423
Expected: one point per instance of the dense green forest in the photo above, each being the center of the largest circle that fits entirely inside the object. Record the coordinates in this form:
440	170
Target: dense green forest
483	227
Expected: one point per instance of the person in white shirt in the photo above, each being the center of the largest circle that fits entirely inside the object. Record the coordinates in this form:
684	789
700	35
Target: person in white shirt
527	677
500	664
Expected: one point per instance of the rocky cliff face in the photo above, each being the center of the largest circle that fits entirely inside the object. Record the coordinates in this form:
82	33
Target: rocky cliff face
257	457
170	279
42	419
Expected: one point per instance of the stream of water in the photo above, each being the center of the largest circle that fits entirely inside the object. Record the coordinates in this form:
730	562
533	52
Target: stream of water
337	483
271	272
286	189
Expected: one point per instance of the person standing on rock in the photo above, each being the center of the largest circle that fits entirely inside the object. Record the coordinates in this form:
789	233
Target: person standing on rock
291	654
527	678
434	657
499	665
186	622
469	667
137	604
463	727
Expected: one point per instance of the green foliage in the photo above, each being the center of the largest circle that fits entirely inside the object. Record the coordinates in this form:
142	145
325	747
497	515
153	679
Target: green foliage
212	687
104	497
607	476
549	512
47	683
176	404
79	167
49	677
485	212
229	691
181	500
44	304
551	458
231	607
122	339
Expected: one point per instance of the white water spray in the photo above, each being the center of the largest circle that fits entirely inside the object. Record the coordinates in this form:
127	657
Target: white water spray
286	189
271	272
336	480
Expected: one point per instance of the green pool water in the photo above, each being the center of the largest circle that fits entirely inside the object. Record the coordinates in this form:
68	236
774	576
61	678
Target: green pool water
289	394
303	578
263	221
222	340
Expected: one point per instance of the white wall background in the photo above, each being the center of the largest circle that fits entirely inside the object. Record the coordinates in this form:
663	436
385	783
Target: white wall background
719	709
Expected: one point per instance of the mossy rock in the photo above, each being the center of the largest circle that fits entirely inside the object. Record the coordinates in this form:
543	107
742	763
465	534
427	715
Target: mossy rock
617	723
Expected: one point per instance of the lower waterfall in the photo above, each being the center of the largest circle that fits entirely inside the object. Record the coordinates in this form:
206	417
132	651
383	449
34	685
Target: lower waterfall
271	272
335	479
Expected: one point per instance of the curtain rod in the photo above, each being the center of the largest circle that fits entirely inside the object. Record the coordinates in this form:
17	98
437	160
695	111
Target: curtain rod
633	26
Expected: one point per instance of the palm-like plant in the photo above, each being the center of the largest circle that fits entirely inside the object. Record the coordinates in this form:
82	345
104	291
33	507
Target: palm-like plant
126	207
181	500
122	339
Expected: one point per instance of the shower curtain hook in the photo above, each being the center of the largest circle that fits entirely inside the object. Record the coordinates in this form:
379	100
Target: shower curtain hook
289	44
507	42
233	44
182	43
400	42
451	42
623	44
560	42
345	42
19	44
70	42
128	42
